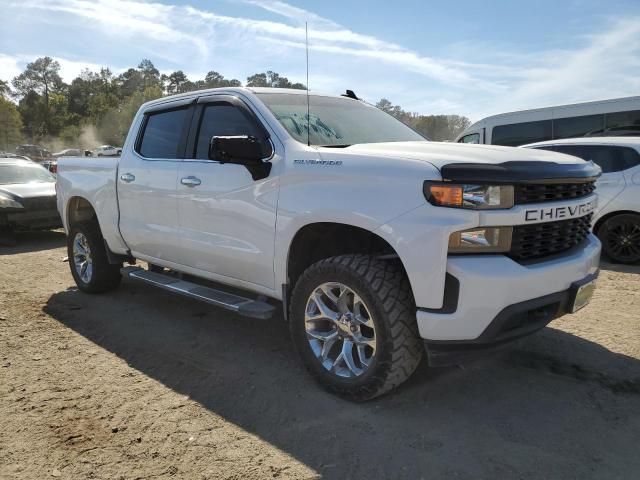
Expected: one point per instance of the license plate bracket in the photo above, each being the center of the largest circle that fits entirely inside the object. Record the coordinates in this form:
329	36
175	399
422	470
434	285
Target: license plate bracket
582	292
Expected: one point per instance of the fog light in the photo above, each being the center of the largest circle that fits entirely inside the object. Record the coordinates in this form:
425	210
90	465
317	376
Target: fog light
481	240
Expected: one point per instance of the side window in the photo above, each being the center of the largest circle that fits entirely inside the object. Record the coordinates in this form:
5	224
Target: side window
161	135
471	138
222	119
631	157
518	134
609	158
623	119
577	126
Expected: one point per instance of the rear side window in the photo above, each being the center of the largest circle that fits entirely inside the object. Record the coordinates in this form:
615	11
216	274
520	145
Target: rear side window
609	158
162	133
623	119
222	119
577	126
471	138
518	134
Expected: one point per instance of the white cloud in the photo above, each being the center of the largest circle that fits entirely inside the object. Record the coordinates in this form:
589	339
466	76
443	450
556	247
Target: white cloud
607	65
602	65
171	24
11	66
125	18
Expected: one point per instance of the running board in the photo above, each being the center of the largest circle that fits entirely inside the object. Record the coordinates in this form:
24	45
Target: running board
229	301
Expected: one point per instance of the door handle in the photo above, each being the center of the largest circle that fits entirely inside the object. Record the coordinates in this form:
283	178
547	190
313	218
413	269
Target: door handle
190	181
127	177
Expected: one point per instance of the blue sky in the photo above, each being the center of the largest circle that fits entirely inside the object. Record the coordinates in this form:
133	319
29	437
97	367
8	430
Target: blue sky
467	57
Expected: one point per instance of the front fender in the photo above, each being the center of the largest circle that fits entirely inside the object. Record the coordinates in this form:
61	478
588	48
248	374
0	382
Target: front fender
360	192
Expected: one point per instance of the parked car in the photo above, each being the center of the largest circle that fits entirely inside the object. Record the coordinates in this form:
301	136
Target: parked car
69	152
107	151
617	218
34	152
378	243
13	155
27	197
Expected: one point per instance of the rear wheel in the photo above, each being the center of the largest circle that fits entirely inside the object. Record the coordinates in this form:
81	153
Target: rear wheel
353	323
620	237
88	260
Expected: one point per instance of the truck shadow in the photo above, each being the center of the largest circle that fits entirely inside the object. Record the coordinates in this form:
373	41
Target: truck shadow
32	241
544	409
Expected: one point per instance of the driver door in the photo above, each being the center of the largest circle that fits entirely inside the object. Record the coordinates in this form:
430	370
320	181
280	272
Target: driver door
227	220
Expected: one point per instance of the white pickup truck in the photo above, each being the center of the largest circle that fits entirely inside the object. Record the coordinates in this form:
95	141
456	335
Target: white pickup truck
379	244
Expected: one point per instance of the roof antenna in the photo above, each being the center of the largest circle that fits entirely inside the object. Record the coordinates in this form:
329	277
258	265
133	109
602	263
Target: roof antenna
306	41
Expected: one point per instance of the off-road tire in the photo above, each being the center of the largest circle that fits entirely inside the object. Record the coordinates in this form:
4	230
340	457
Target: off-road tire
385	289
610	228
105	276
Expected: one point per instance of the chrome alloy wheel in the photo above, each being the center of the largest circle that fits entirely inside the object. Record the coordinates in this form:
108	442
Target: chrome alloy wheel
82	257
340	330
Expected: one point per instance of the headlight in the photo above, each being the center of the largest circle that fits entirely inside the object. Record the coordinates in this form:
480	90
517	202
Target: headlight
475	197
6	202
481	240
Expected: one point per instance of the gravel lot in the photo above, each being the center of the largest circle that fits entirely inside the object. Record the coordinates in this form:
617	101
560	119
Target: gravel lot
138	383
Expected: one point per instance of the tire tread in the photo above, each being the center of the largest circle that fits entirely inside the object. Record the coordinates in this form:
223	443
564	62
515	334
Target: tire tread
390	287
106	276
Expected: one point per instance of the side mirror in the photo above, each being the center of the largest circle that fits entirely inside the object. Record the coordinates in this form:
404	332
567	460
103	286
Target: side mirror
243	150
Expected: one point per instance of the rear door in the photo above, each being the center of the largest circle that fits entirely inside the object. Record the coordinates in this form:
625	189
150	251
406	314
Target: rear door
227	219
146	179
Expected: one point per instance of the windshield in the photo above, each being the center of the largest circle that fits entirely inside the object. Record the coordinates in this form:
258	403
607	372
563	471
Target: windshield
336	121
25	173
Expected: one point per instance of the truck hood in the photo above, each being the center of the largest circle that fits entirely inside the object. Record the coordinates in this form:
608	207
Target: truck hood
440	154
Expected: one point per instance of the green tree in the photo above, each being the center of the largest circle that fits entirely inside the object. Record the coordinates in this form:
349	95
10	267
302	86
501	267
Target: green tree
10	125
41	77
272	79
173	82
395	110
114	125
129	82
92	93
214	80
32	110
150	74
434	127
5	90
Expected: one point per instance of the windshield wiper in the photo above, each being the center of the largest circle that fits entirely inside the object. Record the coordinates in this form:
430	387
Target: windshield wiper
336	146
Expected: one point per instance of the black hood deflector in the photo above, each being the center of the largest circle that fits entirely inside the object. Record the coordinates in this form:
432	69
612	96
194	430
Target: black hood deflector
520	172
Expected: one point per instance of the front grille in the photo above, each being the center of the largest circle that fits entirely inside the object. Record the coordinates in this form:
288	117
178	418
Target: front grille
542	239
40	203
549	192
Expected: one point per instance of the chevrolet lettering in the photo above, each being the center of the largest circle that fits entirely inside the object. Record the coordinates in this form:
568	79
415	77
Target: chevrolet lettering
557	213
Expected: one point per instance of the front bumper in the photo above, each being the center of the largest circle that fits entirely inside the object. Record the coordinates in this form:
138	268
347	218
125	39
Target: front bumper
31	219
490	284
512	323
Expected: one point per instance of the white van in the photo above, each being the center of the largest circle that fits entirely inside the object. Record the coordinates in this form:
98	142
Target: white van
620	116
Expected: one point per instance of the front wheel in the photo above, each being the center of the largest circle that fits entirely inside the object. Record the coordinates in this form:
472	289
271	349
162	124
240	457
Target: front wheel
88	260
353	323
620	237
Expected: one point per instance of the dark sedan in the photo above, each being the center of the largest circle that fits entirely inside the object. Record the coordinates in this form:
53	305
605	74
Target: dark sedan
27	196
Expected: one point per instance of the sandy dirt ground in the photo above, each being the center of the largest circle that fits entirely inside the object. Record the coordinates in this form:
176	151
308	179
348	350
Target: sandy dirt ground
138	383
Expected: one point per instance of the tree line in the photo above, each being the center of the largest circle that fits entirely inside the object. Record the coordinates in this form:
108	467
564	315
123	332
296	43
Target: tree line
37	106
